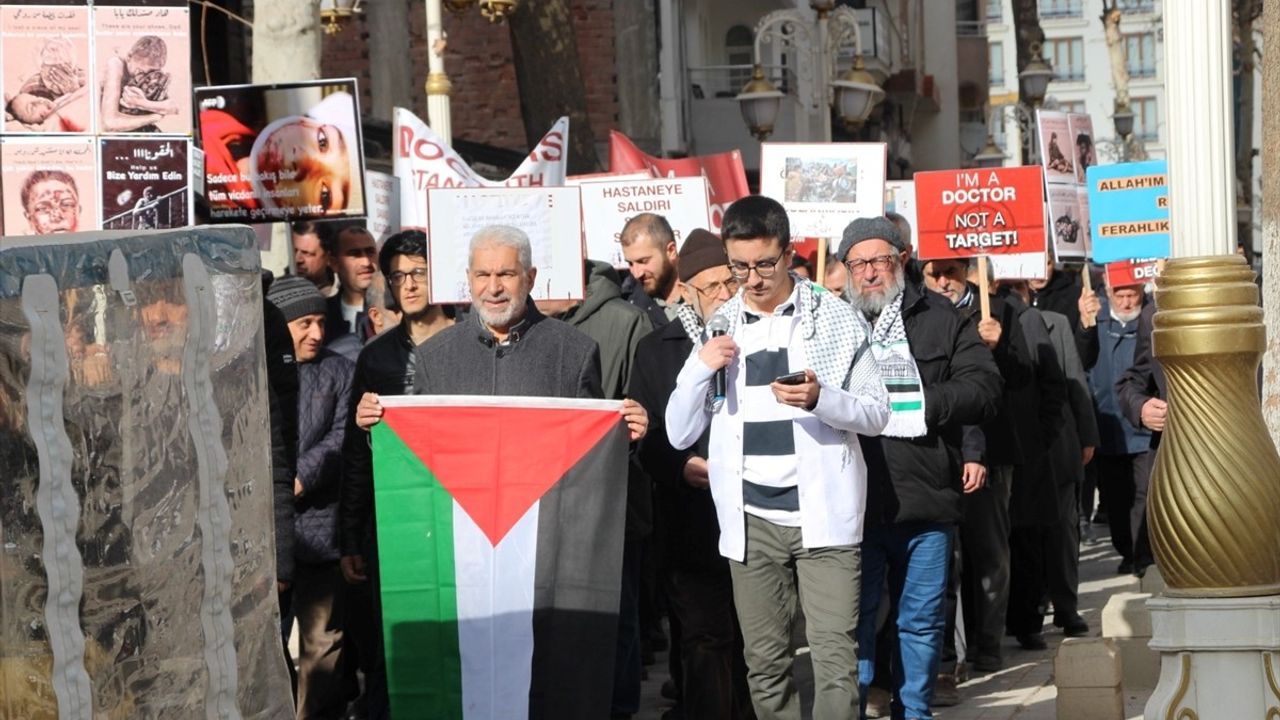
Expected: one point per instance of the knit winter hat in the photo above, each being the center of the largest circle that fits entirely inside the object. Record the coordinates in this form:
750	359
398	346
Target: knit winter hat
296	296
701	250
870	228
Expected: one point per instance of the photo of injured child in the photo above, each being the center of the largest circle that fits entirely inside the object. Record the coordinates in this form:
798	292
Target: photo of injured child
143	80
46	70
54	98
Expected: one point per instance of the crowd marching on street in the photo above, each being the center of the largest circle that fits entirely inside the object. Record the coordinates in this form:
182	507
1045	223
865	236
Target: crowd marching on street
863	449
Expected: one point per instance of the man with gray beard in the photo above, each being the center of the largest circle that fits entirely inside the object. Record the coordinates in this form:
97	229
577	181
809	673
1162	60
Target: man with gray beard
940	377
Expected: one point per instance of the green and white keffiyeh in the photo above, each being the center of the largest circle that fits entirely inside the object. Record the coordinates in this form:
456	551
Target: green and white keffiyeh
898	370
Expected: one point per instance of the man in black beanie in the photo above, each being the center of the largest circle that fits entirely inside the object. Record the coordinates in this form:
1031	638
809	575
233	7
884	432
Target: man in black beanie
699	594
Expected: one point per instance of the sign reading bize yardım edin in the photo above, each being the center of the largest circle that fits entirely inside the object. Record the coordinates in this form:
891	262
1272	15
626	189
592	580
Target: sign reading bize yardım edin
965	213
1129	211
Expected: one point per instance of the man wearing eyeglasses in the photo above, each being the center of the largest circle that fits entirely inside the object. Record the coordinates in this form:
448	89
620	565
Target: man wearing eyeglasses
386	366
50	202
940	378
711	682
786	472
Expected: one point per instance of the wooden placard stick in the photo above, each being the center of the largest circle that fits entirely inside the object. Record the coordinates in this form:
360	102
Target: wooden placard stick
984	287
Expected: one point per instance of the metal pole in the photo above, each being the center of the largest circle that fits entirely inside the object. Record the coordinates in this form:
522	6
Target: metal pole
438	85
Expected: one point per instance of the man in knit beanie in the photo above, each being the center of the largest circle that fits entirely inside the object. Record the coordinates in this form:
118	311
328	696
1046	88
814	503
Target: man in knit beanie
315	599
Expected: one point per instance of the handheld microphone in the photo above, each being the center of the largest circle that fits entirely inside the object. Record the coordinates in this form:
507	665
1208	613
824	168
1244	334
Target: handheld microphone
718	326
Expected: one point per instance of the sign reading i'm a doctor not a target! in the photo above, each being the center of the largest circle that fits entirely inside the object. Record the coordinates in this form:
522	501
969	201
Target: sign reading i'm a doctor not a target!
966	213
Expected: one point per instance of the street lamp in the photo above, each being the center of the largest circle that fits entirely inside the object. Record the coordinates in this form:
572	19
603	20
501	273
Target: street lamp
438	86
335	13
1034	79
495	11
760	102
991	155
1123	119
854	93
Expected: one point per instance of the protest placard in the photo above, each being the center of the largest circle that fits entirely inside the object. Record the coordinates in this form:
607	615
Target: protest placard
551	217
146	183
576	180
1080	129
282	152
965	213
824	185
144	77
50	184
607	206
47	76
1057	156
383	193
900	198
1082	202
1129	210
726	177
1132	272
424	161
1019	266
1064	218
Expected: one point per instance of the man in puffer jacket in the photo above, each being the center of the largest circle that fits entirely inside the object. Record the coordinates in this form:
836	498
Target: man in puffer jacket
324	390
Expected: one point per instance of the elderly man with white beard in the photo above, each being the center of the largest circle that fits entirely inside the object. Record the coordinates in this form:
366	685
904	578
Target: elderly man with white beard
940	377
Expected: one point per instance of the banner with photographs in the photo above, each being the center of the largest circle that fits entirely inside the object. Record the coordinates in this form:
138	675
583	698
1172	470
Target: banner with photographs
146	183
282	152
900	198
424	161
143	69
50	185
824	185
46	76
1086	229
607	206
1080	128
1057	152
552	218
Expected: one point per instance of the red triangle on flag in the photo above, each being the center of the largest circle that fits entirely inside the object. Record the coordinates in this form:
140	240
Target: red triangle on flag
497	462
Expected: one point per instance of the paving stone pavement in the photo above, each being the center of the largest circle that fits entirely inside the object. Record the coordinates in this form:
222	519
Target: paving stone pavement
1023	690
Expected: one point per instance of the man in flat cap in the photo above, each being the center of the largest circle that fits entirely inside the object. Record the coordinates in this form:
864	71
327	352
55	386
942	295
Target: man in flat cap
940	377
784	465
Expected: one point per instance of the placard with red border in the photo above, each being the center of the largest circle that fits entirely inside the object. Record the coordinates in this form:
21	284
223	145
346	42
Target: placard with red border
967	213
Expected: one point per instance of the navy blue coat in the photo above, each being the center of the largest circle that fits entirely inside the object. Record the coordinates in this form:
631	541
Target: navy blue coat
324	394
1116	344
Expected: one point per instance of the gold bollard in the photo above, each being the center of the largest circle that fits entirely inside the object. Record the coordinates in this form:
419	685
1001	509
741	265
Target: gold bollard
1214	502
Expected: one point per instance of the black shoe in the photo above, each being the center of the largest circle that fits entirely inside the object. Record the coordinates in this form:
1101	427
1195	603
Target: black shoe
1140	570
1126	567
1032	641
668	690
988	663
1072	625
1100	517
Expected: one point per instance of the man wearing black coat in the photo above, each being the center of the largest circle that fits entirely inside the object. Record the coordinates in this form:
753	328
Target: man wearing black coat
324	383
940	378
712	682
1063	292
1141	392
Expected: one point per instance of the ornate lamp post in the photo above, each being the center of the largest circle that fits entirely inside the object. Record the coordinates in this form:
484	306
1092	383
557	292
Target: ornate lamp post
335	13
854	93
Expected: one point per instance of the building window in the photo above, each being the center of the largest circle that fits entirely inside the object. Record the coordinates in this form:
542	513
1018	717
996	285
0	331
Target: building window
1066	55
998	135
1140	55
995	64
1053	9
1137	6
739	45
995	11
1071	106
1146	119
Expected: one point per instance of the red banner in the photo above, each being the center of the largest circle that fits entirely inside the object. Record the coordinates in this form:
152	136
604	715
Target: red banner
726	178
966	213
1131	272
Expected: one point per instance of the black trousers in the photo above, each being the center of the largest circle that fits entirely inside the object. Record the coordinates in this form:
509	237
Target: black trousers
1142	556
1027	551
1117	485
713	678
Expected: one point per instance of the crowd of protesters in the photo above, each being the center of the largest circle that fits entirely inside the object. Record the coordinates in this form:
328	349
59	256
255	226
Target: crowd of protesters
867	448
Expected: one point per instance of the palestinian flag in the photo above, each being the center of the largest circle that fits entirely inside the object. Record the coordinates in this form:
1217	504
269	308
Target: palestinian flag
500	524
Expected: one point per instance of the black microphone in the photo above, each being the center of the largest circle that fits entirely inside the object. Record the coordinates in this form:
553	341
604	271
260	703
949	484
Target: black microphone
718	326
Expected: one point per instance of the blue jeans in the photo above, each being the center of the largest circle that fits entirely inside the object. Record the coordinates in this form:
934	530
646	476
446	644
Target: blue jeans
915	555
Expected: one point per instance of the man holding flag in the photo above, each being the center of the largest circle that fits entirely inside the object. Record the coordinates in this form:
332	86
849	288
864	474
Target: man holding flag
786	472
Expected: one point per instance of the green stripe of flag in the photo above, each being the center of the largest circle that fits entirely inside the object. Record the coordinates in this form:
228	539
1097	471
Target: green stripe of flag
909	405
419	587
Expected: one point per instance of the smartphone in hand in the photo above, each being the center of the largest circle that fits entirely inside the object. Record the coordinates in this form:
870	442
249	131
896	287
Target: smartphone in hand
795	378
